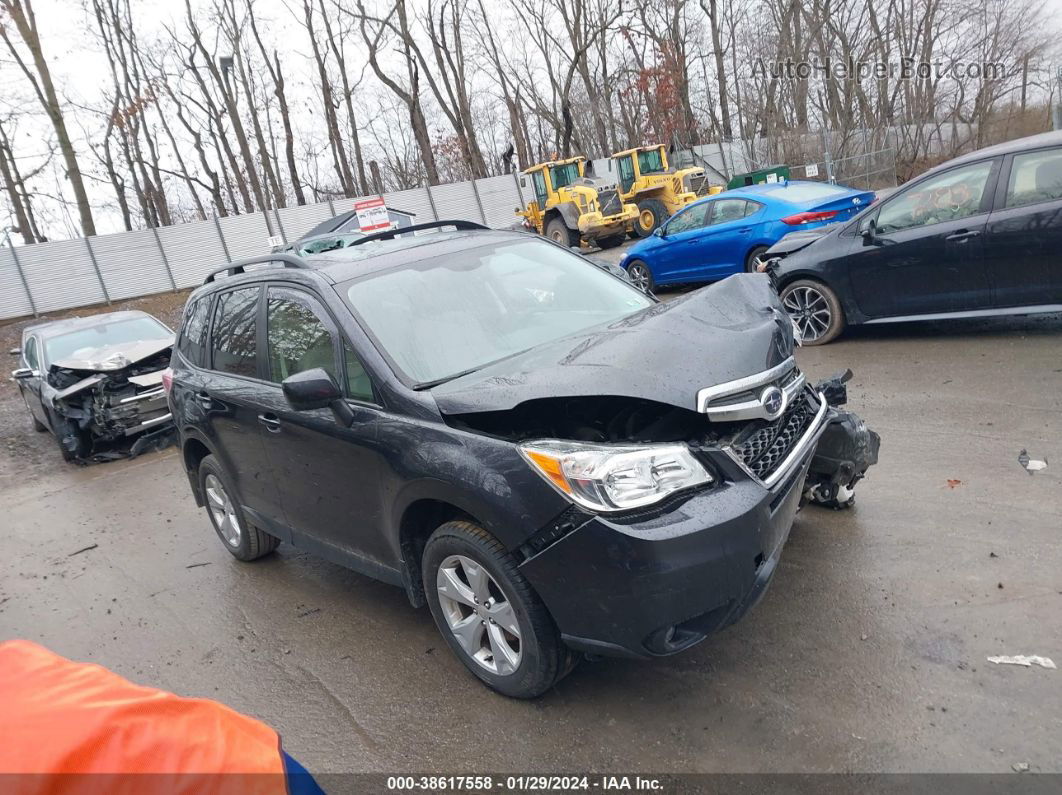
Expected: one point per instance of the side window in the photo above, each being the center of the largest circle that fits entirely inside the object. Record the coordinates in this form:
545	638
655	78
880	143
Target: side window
1035	177
626	171
950	196
30	353
726	210
691	218
539	180
359	386
751	208
192	343
234	338
300	334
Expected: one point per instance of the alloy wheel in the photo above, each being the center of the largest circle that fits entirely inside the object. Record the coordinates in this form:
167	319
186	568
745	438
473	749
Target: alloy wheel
479	615
223	511
809	310
639	277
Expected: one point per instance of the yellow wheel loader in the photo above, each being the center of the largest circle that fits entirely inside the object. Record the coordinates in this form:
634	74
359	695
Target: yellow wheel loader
571	206
658	191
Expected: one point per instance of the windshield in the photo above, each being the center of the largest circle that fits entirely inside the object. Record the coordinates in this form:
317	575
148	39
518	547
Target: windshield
650	162
564	175
448	315
118	332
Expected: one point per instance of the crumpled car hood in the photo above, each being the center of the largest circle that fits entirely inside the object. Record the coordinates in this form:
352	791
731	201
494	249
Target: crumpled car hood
666	353
110	358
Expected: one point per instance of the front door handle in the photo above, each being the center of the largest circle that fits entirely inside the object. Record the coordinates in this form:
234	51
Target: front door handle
962	236
271	421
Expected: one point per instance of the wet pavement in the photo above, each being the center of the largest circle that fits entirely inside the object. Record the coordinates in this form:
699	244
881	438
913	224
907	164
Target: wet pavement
868	652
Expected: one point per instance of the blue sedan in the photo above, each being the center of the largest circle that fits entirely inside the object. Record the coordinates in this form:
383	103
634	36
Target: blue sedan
726	233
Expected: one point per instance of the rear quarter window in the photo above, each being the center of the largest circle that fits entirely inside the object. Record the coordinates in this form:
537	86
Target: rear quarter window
192	342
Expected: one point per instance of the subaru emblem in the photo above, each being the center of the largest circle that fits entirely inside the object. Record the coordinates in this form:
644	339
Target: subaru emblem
773	401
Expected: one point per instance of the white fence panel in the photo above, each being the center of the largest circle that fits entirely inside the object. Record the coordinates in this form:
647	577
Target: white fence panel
414	201
14	300
61	275
499	197
297	221
131	264
193	250
245	235
456	202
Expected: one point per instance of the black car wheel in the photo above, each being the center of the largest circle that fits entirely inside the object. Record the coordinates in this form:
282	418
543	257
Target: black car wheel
243	540
73	441
753	259
815	310
640	275
488	613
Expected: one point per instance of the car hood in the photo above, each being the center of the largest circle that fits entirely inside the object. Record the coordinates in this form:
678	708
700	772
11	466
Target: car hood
665	353
110	358
795	241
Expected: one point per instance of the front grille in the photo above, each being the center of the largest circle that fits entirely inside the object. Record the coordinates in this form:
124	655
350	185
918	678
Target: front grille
764	448
608	200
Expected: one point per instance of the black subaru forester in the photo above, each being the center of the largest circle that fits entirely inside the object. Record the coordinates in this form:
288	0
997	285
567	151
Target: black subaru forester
554	461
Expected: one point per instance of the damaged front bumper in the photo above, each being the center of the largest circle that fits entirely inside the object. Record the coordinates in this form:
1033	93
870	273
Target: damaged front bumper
656	582
101	410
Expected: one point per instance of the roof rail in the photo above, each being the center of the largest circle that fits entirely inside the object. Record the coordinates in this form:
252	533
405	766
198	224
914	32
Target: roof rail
390	233
234	268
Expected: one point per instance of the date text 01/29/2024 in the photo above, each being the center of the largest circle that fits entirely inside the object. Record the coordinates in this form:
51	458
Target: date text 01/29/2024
529	783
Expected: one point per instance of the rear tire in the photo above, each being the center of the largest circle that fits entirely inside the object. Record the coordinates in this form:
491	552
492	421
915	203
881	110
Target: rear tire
815	309
640	275
558	232
753	258
651	213
244	541
477	594
611	241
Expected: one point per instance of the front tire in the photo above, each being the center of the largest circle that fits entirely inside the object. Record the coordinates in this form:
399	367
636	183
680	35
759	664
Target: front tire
558	232
244	541
640	275
815	310
651	213
488	614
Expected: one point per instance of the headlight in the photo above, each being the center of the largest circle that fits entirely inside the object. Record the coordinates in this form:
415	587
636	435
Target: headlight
615	478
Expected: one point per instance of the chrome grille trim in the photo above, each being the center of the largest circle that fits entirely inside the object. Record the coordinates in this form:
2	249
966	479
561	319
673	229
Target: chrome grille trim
710	394
795	454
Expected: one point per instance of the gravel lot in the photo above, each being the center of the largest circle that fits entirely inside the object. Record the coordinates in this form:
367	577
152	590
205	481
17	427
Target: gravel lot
867	654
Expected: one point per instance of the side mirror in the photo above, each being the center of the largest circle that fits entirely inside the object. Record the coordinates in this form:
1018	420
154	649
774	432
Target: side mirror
659	232
316	389
870	232
23	373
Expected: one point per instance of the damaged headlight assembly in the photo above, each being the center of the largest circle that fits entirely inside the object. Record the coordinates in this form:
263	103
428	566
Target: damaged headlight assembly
615	478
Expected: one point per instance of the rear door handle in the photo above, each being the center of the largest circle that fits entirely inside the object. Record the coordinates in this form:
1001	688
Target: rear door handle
271	421
965	234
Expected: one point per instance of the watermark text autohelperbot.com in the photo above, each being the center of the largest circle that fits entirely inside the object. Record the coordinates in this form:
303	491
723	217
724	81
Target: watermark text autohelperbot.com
854	69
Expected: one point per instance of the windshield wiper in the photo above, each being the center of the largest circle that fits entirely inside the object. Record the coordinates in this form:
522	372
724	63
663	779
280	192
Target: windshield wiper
443	380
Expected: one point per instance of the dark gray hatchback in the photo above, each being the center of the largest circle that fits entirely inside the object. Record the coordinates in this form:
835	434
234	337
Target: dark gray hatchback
553	461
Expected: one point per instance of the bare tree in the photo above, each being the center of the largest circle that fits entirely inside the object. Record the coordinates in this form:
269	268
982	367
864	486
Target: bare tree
23	29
